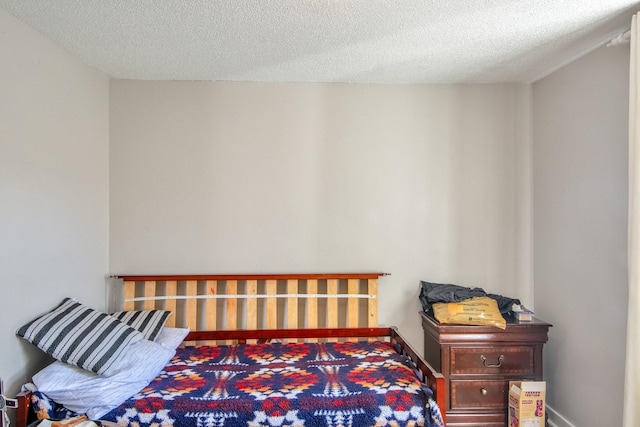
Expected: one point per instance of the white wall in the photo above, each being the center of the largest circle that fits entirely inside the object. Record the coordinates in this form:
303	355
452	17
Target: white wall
580	219
54	187
421	182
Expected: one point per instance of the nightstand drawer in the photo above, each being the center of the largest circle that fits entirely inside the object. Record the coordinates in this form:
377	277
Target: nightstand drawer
478	394
502	360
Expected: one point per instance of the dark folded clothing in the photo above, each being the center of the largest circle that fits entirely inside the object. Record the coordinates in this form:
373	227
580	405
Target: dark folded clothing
431	293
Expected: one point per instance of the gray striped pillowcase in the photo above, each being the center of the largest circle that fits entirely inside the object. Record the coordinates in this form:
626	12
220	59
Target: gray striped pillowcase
76	334
148	322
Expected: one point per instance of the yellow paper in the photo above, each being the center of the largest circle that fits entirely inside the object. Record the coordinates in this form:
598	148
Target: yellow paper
474	311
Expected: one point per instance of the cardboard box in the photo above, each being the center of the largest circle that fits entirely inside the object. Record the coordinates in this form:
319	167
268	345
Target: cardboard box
527	403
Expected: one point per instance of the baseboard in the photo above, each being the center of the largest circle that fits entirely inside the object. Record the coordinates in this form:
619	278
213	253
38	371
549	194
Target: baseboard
557	420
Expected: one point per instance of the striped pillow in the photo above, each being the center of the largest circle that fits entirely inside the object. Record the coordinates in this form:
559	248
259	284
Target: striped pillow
148	322
78	335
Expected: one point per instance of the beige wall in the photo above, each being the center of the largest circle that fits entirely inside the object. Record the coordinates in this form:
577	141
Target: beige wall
54	187
580	219
423	182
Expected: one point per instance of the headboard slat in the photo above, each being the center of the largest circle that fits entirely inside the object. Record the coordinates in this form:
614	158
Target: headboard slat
272	304
352	304
129	295
211	316
252	304
312	306
332	305
170	290
191	310
292	304
231	318
149	290
373	304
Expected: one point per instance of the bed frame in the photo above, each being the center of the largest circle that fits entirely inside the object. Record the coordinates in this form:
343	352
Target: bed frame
256	308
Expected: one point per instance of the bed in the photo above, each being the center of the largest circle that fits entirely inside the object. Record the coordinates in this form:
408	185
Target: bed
272	350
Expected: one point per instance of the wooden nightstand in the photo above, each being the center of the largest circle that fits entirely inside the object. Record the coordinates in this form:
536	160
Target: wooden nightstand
479	361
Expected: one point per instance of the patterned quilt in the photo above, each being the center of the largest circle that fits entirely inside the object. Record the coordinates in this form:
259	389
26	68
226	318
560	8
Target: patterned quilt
283	384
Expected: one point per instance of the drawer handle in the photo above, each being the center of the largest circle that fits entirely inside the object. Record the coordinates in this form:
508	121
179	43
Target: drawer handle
497	365
483	391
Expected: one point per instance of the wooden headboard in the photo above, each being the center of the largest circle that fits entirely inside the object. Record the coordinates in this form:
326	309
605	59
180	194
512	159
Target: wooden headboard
258	301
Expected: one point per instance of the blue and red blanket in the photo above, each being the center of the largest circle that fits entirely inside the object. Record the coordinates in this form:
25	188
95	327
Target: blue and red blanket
283	384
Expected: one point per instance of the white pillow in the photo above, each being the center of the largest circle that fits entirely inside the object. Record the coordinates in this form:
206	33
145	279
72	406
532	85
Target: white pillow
83	392
172	337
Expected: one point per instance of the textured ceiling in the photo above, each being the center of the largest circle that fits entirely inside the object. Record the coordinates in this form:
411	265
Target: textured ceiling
363	41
